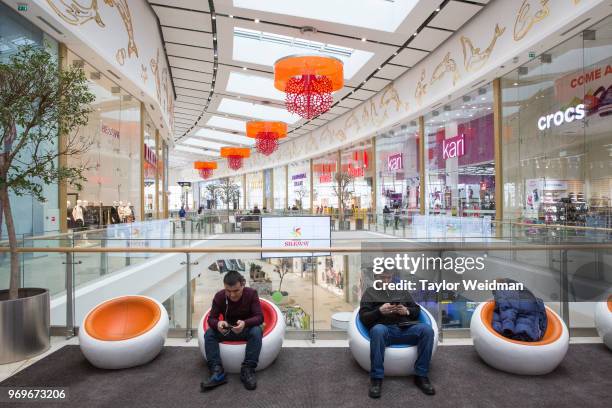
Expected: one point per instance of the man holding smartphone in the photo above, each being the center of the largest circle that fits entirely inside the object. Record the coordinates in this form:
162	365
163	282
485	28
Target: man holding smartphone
392	318
235	315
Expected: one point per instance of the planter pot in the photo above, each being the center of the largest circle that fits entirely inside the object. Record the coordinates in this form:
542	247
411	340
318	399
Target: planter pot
24	324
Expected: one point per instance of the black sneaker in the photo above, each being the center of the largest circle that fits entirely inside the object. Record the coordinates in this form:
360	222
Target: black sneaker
375	388
217	377
247	376
424	385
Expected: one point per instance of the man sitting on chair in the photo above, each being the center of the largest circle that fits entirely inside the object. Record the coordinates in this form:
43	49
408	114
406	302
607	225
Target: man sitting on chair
392	318
242	317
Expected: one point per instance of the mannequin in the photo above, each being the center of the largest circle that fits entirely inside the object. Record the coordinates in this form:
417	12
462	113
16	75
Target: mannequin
114	214
121	211
130	212
77	214
69	219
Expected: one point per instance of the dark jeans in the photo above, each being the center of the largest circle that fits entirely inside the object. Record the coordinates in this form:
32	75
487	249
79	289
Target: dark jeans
382	336
252	335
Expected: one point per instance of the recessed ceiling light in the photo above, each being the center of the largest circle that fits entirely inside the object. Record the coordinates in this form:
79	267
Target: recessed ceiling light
256	20
438	9
364	39
244	68
231	16
415	34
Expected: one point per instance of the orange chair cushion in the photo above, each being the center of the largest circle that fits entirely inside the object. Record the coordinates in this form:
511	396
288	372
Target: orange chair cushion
269	315
554	327
610	303
122	319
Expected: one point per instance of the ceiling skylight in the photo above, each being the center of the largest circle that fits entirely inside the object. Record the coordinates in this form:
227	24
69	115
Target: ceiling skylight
228	138
255	85
253	110
227	123
197	151
206	144
383	15
263	48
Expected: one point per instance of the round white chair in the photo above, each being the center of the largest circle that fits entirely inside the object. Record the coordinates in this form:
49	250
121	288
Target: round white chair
603	321
124	332
514	356
232	352
399	359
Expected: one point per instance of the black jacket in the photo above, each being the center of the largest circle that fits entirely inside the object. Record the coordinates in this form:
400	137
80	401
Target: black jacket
373	299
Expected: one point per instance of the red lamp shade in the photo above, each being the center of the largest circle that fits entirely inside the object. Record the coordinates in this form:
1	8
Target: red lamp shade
205	168
266	135
308	82
235	156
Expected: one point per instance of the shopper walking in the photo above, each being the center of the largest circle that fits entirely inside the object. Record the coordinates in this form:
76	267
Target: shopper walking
392	318
243	317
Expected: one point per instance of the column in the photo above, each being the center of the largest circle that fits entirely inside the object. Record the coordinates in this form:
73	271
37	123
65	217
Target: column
62	187
244	192
311	187
497	135
374	164
422	150
142	175
286	187
158	159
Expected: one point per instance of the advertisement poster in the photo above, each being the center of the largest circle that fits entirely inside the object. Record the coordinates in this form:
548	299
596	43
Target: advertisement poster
295	232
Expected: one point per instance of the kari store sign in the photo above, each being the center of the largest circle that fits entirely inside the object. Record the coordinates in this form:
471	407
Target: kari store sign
453	147
395	162
295	232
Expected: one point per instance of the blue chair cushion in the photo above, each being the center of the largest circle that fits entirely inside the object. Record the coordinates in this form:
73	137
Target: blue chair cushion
423	318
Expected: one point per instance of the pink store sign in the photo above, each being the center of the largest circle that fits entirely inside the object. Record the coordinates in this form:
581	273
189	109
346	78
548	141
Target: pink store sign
453	147
395	162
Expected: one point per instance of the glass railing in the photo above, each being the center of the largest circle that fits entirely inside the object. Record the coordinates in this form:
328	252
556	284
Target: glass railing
569	268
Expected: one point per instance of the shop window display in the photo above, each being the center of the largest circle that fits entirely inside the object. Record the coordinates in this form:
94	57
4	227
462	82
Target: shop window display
325	199
279	176
254	190
398	181
299	185
557	140
150	168
460	167
111	193
357	161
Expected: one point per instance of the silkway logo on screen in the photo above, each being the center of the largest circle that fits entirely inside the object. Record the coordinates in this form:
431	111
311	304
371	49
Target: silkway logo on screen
297	233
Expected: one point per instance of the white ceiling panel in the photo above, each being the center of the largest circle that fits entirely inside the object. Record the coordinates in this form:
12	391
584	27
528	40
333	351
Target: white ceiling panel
187	74
430	38
183	83
350	103
376	83
391	71
409	57
189	51
194	65
188	4
454	15
179	17
363	94
191	99
203	39
203	95
225	137
256	111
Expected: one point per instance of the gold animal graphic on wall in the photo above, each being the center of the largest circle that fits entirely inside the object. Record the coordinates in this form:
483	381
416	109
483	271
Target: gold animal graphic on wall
421	88
154	64
352	121
525	18
126	16
473	57
447	64
143	73
390	95
74	13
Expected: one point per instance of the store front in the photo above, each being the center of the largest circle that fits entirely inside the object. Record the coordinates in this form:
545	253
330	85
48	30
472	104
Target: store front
111	193
557	143
325	199
397	164
299	185
150	168
254	190
279	176
32	217
459	157
356	162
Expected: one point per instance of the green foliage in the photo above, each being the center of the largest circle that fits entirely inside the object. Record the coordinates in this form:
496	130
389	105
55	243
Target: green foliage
38	102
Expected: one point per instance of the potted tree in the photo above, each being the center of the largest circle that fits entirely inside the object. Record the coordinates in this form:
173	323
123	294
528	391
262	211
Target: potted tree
38	102
343	181
230	193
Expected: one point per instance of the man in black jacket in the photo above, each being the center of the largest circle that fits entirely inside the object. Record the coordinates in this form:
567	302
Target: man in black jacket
392	318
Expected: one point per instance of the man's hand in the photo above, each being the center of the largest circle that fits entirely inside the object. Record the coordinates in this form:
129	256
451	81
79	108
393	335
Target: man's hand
387	309
402	310
238	327
223	326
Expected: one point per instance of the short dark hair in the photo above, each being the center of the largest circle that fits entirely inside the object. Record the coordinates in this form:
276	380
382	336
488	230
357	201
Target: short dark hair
233	277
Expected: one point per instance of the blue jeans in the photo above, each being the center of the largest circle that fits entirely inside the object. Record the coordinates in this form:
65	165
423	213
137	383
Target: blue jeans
381	336
252	335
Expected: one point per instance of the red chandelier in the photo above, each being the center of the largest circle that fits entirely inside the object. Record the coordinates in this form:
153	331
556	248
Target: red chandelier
235	156
205	168
308	83
266	135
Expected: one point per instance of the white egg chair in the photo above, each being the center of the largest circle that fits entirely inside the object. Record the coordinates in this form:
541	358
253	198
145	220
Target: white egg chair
232	352
399	359
124	332
603	321
514	356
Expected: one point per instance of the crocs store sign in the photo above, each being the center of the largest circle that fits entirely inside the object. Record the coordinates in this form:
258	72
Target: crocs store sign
560	117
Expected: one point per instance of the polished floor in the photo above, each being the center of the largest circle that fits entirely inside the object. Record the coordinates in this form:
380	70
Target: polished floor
322	377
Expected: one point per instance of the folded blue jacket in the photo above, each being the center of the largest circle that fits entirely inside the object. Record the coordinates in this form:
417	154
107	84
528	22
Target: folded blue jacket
519	315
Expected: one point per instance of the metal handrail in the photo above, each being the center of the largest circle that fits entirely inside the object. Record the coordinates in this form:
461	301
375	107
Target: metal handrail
443	248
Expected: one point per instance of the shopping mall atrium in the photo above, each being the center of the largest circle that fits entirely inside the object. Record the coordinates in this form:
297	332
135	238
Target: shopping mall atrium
316	203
